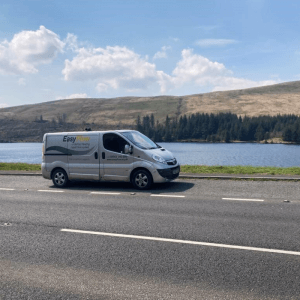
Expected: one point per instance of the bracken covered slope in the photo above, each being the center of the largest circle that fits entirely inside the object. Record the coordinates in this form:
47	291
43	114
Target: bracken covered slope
276	99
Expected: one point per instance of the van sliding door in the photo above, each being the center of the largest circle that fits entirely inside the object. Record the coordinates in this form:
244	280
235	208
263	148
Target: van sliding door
83	156
115	164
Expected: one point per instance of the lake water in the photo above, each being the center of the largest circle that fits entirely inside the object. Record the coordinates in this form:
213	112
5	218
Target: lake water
188	153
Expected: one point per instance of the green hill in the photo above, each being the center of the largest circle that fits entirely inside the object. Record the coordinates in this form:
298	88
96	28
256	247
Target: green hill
122	112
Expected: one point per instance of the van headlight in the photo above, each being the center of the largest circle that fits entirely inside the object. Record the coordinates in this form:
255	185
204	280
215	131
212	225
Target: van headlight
158	159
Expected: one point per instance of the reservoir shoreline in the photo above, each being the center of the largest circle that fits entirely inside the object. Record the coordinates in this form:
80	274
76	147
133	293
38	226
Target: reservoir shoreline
188	153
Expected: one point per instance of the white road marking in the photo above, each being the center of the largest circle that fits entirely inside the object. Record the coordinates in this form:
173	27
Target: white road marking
139	237
6	189
50	191
104	193
162	195
240	199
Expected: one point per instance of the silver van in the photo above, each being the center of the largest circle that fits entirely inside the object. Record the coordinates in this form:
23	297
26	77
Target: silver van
118	155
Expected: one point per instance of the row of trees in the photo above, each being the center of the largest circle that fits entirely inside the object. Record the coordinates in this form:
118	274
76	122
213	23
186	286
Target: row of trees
225	127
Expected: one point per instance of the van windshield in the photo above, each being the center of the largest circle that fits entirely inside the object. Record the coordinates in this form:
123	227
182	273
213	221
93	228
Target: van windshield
139	140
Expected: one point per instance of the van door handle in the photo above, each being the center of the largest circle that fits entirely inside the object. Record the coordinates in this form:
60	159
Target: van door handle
103	155
96	155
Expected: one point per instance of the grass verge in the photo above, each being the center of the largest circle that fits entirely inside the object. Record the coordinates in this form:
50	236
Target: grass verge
248	170
19	167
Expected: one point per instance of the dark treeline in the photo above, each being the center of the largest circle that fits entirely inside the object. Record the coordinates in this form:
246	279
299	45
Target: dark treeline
222	127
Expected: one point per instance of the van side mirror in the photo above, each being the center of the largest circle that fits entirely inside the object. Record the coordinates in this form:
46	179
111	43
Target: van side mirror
128	149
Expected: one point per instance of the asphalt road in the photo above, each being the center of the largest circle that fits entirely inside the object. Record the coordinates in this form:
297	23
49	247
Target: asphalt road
189	239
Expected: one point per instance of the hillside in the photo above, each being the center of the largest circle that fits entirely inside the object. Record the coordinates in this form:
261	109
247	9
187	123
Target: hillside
268	100
122	112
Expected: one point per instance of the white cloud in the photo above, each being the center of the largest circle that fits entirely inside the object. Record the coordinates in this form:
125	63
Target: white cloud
22	81
121	68
71	42
102	87
208	28
73	96
215	42
3	105
165	81
200	71
28	49
112	67
162	53
175	39
233	83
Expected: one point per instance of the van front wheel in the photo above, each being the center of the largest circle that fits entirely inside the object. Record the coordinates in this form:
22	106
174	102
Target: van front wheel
60	178
142	179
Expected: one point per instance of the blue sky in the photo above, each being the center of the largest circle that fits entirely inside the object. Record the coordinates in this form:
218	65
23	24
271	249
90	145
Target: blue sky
52	50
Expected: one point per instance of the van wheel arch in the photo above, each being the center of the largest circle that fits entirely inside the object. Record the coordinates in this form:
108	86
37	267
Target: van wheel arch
141	178
59	177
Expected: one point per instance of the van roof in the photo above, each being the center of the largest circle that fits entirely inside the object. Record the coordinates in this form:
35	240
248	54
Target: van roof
88	132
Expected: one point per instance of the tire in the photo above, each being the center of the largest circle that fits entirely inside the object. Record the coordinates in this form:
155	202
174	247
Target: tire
60	178
141	179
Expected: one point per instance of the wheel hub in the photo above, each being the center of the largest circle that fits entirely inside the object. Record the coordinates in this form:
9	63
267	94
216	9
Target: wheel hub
141	180
60	178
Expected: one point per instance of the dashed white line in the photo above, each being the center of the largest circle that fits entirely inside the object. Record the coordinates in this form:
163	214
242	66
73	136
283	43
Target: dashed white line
6	189
241	199
104	193
139	237
162	195
50	191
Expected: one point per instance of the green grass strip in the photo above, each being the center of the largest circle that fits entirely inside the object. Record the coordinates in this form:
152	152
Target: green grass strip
248	170
19	167
240	170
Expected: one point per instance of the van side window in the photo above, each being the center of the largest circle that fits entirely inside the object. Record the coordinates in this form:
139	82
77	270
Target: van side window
114	142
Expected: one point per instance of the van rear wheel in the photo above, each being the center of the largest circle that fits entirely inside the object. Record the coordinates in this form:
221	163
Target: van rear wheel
141	179
60	178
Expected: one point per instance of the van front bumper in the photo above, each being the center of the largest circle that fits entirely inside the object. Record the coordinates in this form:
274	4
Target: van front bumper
169	174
